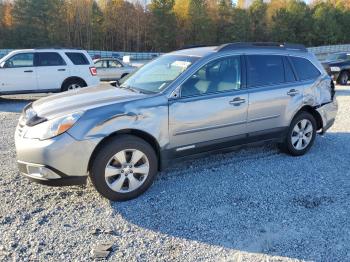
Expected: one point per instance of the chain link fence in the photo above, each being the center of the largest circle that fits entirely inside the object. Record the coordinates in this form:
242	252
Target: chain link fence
320	51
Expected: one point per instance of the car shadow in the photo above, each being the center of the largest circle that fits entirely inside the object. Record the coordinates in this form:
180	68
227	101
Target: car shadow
256	199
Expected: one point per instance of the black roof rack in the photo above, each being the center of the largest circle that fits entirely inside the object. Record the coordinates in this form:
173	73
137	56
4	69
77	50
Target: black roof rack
267	45
191	46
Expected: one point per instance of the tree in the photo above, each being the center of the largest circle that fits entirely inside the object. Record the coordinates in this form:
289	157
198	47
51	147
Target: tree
36	22
258	20
181	11
240	28
200	26
163	24
326	29
292	23
224	22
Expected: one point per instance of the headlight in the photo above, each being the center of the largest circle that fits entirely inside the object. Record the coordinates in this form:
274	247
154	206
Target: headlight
53	127
335	69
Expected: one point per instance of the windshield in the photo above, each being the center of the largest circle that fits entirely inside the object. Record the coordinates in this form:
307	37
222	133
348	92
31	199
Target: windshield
158	74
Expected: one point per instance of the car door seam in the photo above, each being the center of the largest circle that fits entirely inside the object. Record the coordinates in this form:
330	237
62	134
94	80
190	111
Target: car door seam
263	118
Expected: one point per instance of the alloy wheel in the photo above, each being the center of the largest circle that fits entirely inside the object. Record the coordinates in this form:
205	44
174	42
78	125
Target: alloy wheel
127	170
344	78
302	134
73	86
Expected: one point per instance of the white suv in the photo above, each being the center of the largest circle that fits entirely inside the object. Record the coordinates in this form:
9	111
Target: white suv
46	70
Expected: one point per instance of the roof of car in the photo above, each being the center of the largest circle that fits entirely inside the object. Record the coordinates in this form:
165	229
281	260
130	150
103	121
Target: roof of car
107	58
201	51
48	49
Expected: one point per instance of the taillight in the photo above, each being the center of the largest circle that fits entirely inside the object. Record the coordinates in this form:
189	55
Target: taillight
93	71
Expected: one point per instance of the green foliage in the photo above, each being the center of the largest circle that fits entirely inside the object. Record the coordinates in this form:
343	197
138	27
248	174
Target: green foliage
292	23
258	20
36	22
165	25
200	27
326	25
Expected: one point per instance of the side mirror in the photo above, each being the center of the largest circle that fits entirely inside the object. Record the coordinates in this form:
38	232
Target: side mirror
176	93
6	64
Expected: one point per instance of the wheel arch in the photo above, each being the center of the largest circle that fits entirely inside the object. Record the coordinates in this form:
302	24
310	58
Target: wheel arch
346	70
124	74
135	132
71	78
313	112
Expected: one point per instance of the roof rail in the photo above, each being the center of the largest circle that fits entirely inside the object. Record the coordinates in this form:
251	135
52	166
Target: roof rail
267	45
191	46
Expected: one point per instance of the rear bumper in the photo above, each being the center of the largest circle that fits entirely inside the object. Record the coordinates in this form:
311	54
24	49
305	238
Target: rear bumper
328	114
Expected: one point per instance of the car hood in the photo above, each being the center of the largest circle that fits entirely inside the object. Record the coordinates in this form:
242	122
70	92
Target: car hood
82	100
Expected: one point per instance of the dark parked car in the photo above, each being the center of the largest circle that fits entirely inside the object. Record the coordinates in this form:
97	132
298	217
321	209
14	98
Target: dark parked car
338	66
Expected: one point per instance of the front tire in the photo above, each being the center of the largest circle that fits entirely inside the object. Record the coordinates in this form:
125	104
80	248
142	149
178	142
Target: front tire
124	168
343	78
301	135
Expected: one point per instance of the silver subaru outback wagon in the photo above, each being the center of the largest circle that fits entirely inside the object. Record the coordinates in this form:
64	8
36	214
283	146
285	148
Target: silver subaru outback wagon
182	104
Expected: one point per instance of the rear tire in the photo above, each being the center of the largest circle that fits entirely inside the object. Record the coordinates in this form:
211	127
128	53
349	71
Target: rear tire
73	84
301	135
343	78
124	168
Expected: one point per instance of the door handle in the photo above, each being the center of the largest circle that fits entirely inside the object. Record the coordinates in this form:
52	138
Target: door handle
62	69
28	71
237	101
292	92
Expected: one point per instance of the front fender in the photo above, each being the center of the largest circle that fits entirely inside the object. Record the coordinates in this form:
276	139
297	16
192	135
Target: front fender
148	115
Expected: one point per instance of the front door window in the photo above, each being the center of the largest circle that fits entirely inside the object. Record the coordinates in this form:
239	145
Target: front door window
217	76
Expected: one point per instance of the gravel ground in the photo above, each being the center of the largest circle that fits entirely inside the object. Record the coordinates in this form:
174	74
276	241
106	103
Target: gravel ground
254	204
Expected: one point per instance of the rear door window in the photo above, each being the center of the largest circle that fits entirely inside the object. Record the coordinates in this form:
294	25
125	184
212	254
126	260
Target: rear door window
78	58
305	69
265	70
49	59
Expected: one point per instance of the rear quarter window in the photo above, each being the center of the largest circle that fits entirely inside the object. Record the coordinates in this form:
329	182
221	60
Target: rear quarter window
78	58
305	69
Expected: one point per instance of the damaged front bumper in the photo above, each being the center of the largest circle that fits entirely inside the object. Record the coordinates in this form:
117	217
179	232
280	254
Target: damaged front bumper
328	114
